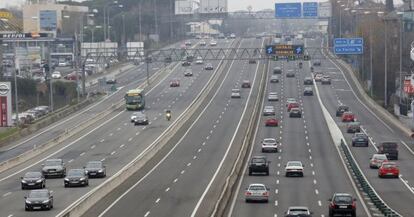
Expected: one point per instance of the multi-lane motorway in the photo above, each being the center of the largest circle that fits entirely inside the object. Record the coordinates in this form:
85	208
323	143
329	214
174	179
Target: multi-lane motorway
186	178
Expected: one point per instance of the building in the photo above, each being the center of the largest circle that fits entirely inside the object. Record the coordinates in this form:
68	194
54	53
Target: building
45	16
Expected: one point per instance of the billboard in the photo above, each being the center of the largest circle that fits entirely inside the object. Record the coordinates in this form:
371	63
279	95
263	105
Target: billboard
288	10
184	7
47	20
213	6
5	105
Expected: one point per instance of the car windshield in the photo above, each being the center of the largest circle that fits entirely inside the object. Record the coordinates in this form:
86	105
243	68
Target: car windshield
32	175
258	160
257	188
360	135
53	162
235	91
94	165
76	172
269	140
389	165
294	164
343	199
38	194
380	157
298	211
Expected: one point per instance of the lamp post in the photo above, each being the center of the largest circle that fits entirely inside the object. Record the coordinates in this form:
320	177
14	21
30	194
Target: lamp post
401	44
92	29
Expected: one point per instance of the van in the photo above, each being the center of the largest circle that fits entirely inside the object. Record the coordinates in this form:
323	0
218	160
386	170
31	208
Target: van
390	149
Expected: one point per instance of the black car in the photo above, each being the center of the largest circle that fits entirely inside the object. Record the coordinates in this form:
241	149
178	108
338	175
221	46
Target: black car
190	58
33	180
290	74
53	168
295	113
390	149
168	60
38	199
76	177
252	61
341	109
317	63
95	169
141	119
353	127
308	91
186	63
308	81
342	203
360	139
259	164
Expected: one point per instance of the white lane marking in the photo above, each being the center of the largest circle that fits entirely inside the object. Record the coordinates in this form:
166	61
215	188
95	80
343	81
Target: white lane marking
199	150
182	172
7	194
102	140
158	200
121	146
111	134
277	172
313	172
112	153
103	159
314	181
311	164
175	180
81	154
276	191
207	137
125	124
118	129
130	139
276	203
137	133
189	164
277	182
316	191
167	189
93	146
147	213
319	203
204	143
70	161
195	157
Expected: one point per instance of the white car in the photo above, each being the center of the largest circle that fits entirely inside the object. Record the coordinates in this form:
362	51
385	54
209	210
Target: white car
257	192
232	35
199	60
272	96
188	43
63	64
203	43
298	211
294	168
235	93
270	145
377	160
269	110
290	100
56	75
135	115
213	43
188	73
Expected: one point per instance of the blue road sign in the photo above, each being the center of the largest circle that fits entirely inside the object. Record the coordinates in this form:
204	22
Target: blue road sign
349	45
298	49
310	9
359	49
269	49
288	10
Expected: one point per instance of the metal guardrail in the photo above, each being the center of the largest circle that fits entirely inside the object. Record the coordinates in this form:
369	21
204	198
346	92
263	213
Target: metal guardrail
365	186
412	51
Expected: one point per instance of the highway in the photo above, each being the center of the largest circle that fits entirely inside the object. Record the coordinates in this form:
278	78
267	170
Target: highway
397	193
128	79
306	139
177	184
113	140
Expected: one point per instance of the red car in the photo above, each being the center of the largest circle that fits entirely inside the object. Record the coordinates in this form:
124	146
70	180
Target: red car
272	122
292	105
72	76
174	83
246	84
389	169
348	117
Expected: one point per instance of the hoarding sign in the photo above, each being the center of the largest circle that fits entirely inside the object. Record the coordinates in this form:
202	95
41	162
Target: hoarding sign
408	87
47	20
183	7
5	105
213	6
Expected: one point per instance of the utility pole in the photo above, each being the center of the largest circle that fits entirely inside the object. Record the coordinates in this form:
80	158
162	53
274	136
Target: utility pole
386	65
156	20
139	17
16	99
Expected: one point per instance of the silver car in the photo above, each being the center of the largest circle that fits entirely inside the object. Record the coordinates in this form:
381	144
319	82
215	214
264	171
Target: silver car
377	160
296	211
269	110
257	192
274	79
270	145
53	167
135	115
235	93
290	100
294	168
272	96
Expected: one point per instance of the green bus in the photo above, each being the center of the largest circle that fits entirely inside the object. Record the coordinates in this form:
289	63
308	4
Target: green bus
135	99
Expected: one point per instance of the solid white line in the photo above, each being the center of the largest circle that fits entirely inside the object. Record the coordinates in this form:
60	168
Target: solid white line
276	203
7	194
167	189
112	153
158	200
81	154
147	213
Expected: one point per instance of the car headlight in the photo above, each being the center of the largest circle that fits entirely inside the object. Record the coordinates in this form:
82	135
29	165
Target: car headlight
66	179
46	201
28	201
24	181
38	181
82	179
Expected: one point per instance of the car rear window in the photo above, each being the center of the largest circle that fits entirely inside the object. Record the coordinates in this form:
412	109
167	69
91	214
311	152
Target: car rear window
258	160
257	188
389	146
343	199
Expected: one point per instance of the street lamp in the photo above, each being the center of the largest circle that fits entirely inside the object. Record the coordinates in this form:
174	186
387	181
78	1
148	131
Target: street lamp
108	22
401	60
340	20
